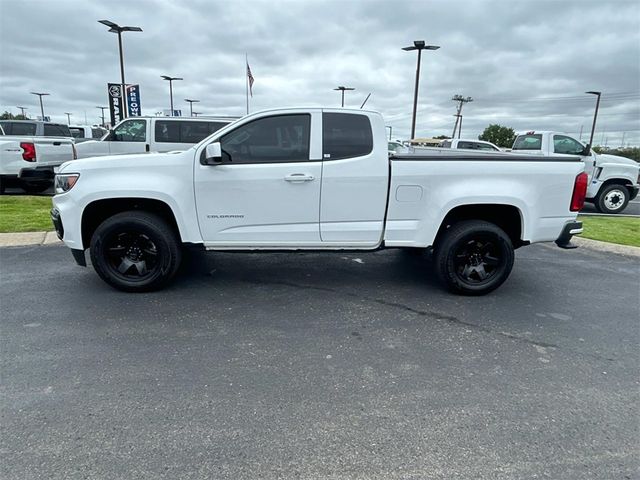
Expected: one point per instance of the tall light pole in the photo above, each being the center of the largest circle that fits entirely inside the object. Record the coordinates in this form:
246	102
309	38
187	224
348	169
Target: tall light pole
191	102
195	114
417	45
342	89
115	28
595	116
41	106
102	109
22	109
68	114
170	79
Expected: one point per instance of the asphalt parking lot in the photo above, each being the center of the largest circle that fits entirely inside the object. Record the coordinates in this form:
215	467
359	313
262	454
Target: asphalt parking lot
312	365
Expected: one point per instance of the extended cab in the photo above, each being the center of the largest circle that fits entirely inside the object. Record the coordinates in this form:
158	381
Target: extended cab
152	134
314	179
29	162
613	180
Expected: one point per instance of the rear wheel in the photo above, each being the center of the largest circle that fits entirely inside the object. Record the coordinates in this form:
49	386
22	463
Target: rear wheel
612	199
135	251
474	257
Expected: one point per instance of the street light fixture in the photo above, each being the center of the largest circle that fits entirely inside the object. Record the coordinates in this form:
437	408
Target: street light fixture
195	114
41	106
171	79
191	102
22	109
102	109
68	114
115	28
342	89
418	45
595	116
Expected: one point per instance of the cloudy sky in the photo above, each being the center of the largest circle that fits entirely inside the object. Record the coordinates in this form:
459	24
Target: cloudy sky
526	63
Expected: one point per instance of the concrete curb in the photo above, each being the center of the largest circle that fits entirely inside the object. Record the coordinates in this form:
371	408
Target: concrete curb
28	238
606	247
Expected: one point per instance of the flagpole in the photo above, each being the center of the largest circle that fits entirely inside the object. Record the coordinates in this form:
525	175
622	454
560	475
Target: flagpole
246	77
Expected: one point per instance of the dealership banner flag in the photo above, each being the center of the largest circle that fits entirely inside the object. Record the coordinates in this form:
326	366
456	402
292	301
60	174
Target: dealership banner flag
115	102
133	101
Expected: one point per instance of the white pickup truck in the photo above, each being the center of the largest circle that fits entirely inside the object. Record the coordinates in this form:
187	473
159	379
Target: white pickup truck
613	180
29	162
152	134
465	144
314	179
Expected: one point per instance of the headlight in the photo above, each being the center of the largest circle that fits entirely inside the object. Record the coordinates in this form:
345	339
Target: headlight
65	181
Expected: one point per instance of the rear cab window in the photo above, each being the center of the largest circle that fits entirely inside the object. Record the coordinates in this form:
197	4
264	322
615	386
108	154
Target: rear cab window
346	135
77	132
530	141
19	128
56	130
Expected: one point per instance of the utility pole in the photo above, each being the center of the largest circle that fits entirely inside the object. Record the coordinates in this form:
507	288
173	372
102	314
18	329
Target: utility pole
417	45
41	94
102	109
622	143
581	126
461	101
342	89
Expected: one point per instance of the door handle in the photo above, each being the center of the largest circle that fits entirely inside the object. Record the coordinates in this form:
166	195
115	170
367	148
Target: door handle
299	177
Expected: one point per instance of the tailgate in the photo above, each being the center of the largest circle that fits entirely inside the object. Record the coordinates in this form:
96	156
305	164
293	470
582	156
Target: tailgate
53	151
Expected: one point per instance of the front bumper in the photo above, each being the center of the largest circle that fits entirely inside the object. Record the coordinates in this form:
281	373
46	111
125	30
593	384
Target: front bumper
633	191
78	255
570	229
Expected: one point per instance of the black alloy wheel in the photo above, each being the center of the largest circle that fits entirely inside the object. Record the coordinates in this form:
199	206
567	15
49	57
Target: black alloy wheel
135	251
473	257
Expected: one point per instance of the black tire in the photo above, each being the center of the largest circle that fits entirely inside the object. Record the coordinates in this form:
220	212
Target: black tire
473	257
612	199
135	251
35	187
3	185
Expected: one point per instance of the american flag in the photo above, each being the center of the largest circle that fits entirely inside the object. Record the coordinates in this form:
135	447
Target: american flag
250	76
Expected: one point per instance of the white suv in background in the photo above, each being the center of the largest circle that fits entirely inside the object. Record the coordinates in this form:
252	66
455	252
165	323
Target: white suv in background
152	134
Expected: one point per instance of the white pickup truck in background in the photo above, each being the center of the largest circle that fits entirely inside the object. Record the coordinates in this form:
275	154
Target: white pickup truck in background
613	180
83	133
314	179
465	144
152	134
29	162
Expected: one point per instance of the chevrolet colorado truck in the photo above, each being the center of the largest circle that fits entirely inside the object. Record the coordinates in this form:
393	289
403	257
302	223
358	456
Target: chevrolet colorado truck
613	180
314	179
29	162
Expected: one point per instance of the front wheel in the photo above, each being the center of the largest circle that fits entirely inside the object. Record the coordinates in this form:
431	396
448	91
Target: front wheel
135	251
474	257
612	199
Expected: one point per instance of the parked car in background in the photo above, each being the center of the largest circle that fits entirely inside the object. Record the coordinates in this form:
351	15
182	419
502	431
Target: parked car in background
82	133
30	162
314	179
613	180
152	134
465	144
35	128
396	146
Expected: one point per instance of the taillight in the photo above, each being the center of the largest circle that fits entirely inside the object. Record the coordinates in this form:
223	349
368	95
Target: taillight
28	151
579	192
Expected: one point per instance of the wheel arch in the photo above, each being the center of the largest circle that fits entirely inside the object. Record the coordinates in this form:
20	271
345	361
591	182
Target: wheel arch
508	217
98	211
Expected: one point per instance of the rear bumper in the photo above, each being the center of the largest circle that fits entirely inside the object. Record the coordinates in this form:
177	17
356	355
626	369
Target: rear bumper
38	174
570	229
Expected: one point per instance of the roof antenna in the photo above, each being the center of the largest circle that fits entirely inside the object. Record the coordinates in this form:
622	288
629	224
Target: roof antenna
365	101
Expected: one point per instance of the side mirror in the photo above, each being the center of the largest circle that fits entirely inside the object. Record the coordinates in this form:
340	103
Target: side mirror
587	151
213	154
